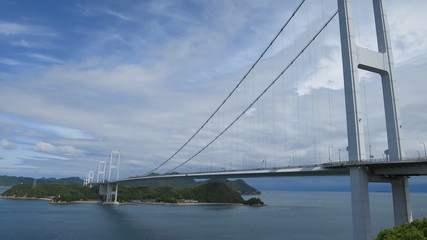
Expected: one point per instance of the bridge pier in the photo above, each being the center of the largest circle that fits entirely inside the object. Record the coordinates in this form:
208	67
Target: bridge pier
359	180
401	204
109	191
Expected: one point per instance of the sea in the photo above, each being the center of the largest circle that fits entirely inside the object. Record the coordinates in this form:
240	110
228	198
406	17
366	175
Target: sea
288	215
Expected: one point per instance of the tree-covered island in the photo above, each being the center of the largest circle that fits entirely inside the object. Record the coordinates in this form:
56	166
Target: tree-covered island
209	192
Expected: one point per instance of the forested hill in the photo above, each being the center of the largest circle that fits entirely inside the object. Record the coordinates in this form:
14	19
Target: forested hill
239	185
206	193
12	181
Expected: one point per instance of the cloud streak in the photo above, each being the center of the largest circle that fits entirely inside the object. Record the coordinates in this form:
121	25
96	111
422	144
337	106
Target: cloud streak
7	144
50	148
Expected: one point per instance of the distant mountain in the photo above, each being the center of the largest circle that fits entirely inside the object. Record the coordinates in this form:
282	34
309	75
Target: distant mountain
12	181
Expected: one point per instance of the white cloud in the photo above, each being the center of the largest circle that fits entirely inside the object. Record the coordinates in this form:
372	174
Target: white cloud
8	28
8	61
116	14
50	148
7	144
250	112
61	131
408	31
28	44
44	58
12	28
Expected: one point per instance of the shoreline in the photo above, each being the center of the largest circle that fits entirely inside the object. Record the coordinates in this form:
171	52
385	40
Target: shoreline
187	204
125	203
49	199
26	198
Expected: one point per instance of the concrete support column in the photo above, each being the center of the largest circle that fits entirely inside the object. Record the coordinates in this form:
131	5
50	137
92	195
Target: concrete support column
116	193
401	203
360	204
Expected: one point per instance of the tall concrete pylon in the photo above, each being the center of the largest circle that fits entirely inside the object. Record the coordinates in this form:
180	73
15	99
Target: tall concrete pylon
112	168
381	62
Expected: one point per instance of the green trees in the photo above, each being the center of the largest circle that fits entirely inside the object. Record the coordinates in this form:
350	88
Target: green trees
215	192
210	192
416	230
254	202
237	185
59	192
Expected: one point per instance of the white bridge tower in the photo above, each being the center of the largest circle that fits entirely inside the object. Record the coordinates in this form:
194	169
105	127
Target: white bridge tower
111	168
381	62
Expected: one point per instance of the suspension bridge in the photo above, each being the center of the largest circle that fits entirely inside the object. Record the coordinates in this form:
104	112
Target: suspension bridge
284	111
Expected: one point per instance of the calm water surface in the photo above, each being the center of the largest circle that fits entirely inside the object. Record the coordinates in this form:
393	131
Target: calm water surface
289	215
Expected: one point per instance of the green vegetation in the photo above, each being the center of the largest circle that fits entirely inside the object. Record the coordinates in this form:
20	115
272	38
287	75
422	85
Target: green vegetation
215	192
254	202
12	181
416	230
211	192
57	192
238	185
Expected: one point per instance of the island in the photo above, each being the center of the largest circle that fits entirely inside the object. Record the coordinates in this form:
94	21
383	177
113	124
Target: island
208	192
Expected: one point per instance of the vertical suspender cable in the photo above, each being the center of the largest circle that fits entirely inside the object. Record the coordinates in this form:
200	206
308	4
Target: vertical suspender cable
261	94
234	89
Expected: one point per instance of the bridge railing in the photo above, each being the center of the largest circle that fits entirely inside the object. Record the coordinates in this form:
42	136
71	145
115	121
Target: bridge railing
333	164
373	161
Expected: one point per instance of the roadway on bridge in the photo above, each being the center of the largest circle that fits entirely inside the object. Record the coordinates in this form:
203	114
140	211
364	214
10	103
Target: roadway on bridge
409	167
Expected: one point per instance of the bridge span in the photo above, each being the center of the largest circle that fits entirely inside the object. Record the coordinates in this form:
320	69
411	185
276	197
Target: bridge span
378	169
394	172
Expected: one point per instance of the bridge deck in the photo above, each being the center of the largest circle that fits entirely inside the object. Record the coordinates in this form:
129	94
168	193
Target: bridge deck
410	167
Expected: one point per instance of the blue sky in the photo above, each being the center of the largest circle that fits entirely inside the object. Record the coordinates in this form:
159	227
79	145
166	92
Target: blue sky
80	78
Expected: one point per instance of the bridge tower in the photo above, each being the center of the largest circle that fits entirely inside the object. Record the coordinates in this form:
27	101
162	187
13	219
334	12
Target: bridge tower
380	62
106	188
89	179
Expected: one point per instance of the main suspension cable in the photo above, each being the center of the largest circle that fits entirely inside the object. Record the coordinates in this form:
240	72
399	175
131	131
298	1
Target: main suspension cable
231	93
259	96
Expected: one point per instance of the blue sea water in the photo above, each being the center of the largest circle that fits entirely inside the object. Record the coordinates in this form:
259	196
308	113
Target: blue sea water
289	215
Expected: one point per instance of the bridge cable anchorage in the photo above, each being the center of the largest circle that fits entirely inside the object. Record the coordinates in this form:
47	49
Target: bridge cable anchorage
232	91
259	96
